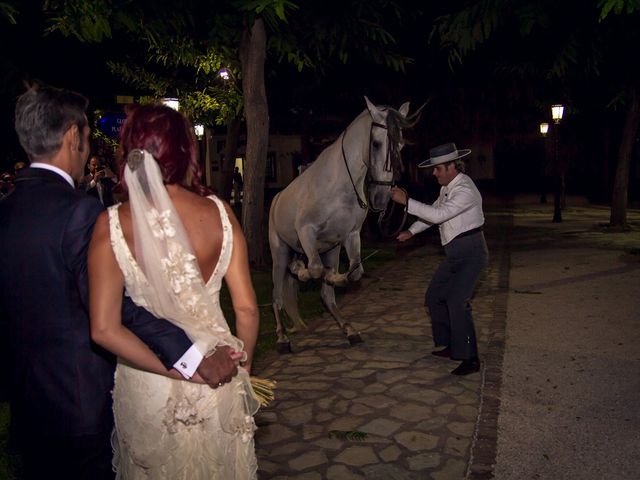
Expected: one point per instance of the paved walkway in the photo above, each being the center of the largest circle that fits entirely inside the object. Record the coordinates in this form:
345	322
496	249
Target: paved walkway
420	422
571	375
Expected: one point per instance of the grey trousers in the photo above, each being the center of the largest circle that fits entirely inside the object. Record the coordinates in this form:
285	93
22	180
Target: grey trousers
449	294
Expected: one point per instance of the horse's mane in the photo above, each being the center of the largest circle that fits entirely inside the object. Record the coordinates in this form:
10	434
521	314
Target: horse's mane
395	123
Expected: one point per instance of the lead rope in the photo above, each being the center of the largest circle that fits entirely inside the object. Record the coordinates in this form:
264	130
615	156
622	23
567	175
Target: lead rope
386	219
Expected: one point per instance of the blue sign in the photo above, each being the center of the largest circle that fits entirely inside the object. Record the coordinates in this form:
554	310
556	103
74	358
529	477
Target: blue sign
111	123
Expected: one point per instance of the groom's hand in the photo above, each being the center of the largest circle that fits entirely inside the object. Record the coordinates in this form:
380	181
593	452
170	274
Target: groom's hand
219	368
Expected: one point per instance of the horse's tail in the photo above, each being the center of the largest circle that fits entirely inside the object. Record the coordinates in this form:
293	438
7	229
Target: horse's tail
290	300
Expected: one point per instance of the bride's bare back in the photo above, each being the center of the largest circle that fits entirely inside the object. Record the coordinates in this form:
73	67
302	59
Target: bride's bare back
201	219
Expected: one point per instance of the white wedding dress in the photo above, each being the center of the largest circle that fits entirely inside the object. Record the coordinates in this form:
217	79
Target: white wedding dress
171	429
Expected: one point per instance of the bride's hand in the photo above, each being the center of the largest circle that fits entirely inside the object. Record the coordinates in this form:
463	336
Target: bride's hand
236	356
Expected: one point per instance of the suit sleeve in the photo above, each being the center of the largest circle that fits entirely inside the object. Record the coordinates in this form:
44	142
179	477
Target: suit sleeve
166	340
75	243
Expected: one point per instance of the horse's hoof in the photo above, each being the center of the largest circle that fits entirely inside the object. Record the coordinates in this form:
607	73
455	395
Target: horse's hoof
356	275
283	347
355	339
304	275
296	266
316	272
336	280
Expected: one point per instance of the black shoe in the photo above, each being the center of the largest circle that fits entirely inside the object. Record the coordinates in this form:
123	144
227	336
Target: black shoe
471	365
444	353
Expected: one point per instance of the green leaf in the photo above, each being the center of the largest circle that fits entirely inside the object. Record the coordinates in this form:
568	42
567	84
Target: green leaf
9	12
348	435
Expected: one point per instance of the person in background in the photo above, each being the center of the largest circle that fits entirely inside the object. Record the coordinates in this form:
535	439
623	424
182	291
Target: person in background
6	184
18	166
99	182
459	216
238	183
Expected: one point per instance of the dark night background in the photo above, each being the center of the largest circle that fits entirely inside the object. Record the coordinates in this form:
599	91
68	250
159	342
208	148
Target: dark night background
493	103
495	114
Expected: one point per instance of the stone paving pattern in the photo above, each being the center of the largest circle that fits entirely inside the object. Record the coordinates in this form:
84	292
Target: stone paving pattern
420	421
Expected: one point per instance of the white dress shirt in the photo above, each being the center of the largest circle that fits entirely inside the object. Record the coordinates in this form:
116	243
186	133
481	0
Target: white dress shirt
189	362
59	171
457	209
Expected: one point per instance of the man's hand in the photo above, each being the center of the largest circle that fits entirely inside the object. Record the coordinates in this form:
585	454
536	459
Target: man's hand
404	235
220	367
398	195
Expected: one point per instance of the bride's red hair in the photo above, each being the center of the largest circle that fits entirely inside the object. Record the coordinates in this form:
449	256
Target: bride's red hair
169	137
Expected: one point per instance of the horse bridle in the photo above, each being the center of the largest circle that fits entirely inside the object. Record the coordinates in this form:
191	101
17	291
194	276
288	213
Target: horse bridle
388	167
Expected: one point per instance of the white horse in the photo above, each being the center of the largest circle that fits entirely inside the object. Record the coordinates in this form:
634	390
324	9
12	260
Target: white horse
324	208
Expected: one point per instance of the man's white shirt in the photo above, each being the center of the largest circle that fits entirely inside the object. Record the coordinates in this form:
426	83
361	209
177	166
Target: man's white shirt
457	209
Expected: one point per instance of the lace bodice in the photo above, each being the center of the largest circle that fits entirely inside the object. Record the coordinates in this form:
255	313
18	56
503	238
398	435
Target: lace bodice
135	281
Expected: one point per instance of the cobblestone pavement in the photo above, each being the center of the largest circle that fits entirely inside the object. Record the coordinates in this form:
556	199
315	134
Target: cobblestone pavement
419	421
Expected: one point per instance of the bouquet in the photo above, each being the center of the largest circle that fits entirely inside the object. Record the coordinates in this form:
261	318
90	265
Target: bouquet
263	388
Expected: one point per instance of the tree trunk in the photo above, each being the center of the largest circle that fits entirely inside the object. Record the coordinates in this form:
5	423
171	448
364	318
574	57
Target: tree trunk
619	198
605	174
229	160
252	57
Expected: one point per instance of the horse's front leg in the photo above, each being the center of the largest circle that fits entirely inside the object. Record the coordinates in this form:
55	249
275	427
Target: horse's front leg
328	295
355	271
315	269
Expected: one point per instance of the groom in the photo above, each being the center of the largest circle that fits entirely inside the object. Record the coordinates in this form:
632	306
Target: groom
61	381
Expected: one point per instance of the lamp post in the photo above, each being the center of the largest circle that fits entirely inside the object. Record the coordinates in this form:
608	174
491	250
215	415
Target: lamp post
230	79
171	103
198	129
557	112
544	129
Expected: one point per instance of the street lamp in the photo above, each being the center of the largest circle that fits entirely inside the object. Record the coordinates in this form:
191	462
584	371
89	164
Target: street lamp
229	79
557	112
199	130
171	103
544	129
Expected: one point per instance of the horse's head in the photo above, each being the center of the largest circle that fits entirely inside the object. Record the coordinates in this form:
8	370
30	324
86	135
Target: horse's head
385	163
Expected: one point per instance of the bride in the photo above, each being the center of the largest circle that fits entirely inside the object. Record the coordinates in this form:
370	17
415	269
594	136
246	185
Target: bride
170	248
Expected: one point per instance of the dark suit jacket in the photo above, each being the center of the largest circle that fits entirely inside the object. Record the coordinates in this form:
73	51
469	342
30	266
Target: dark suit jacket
61	381
107	192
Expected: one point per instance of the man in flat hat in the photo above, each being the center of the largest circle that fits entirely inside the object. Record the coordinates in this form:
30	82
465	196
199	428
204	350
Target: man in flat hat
458	214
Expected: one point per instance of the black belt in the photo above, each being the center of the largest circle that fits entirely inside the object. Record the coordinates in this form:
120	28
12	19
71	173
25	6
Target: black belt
468	232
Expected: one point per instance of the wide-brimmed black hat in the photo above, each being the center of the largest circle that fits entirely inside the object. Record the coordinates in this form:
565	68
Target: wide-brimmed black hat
443	154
